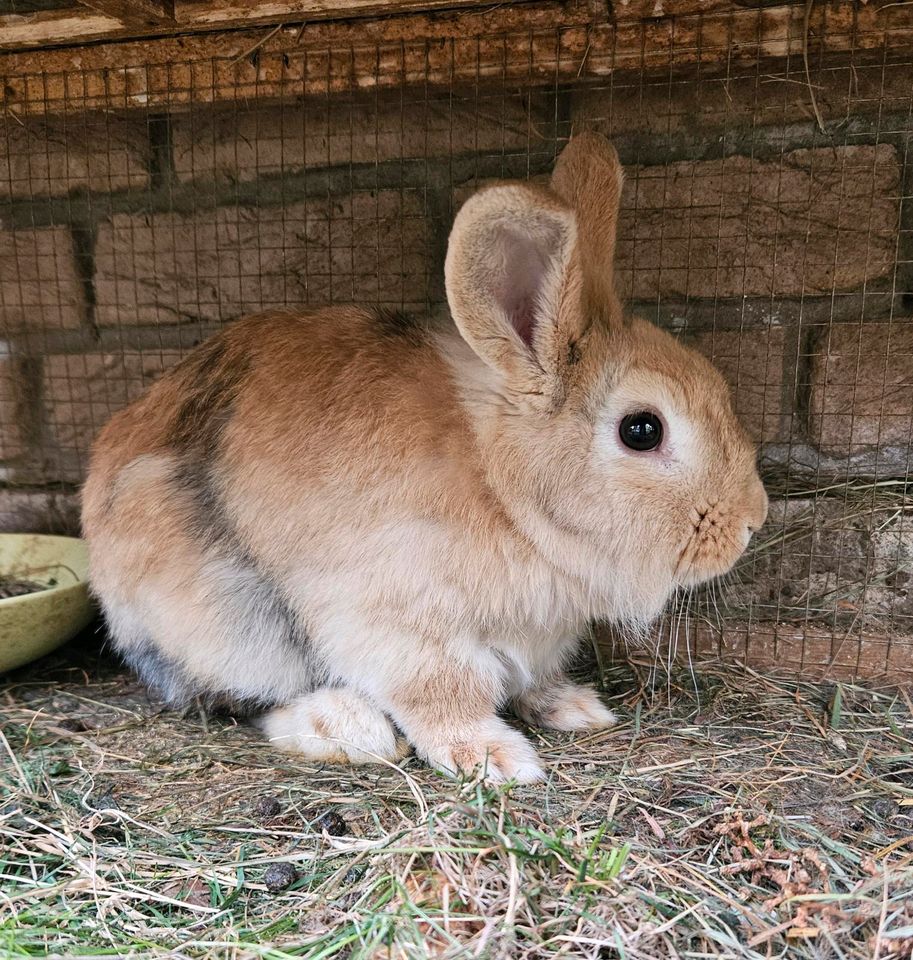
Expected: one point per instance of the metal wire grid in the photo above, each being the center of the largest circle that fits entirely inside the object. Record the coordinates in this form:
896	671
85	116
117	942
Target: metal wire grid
779	244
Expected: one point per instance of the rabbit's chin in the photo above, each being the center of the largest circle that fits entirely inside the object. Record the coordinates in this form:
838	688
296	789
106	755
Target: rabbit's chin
694	572
638	626
638	608
636	613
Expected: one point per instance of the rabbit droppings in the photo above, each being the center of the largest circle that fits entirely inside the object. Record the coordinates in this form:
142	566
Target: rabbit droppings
363	524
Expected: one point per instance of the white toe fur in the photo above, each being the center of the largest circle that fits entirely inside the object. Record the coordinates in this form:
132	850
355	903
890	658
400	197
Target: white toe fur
335	726
580	713
565	706
493	749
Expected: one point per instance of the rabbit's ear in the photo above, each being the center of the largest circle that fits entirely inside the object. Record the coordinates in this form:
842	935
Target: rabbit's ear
588	177
513	284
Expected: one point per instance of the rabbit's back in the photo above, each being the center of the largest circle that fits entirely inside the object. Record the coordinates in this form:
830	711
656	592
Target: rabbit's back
280	371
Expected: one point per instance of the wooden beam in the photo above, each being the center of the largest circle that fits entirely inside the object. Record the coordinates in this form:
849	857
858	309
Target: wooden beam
53	26
134	13
532	43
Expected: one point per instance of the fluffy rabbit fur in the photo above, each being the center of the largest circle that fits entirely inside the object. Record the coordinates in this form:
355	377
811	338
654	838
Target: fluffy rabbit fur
363	524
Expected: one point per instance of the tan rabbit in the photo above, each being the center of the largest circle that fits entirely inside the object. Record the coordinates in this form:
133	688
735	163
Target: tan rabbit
361	523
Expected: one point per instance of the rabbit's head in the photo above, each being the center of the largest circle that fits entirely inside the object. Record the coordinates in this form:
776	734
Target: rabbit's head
613	445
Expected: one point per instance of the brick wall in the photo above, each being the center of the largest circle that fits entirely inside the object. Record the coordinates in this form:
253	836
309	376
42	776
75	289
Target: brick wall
782	251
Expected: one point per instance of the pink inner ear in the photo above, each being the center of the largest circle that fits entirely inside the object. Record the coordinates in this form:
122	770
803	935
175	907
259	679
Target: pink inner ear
525	262
523	320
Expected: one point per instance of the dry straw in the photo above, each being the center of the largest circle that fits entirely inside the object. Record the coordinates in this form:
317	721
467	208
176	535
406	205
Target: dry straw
743	817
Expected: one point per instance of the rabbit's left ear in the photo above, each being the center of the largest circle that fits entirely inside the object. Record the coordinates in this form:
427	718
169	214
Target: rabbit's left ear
513	285
588	177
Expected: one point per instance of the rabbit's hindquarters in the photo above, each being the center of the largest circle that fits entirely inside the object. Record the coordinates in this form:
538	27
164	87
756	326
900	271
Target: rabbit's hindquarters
188	609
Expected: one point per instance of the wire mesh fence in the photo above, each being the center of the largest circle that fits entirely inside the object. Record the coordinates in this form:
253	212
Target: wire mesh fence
767	219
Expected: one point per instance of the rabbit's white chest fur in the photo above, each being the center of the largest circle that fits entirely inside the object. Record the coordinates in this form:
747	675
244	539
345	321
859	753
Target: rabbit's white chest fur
412	584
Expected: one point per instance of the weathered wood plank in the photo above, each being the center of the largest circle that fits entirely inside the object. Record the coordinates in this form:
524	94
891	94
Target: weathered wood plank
215	15
52	26
530	43
133	13
122	19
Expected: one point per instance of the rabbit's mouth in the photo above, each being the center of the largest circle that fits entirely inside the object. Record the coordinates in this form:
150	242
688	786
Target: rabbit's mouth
715	542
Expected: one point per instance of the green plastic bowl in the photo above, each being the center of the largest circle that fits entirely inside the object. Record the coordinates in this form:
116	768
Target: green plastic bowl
37	623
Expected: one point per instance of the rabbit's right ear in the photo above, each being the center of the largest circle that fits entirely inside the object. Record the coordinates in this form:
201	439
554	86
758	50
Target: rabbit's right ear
513	286
588	176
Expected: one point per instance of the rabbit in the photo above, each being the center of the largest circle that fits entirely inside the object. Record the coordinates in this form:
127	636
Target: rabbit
374	531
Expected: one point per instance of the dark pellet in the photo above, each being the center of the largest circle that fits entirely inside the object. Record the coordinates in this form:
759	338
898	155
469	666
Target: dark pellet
279	876
266	807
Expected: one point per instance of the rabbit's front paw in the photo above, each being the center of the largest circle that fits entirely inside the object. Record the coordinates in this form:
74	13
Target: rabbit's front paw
496	750
565	706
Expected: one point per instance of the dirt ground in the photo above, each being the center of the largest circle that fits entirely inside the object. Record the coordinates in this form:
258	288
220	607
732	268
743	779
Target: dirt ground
729	816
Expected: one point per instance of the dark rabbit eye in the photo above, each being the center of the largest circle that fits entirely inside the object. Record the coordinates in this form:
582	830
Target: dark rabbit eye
641	431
